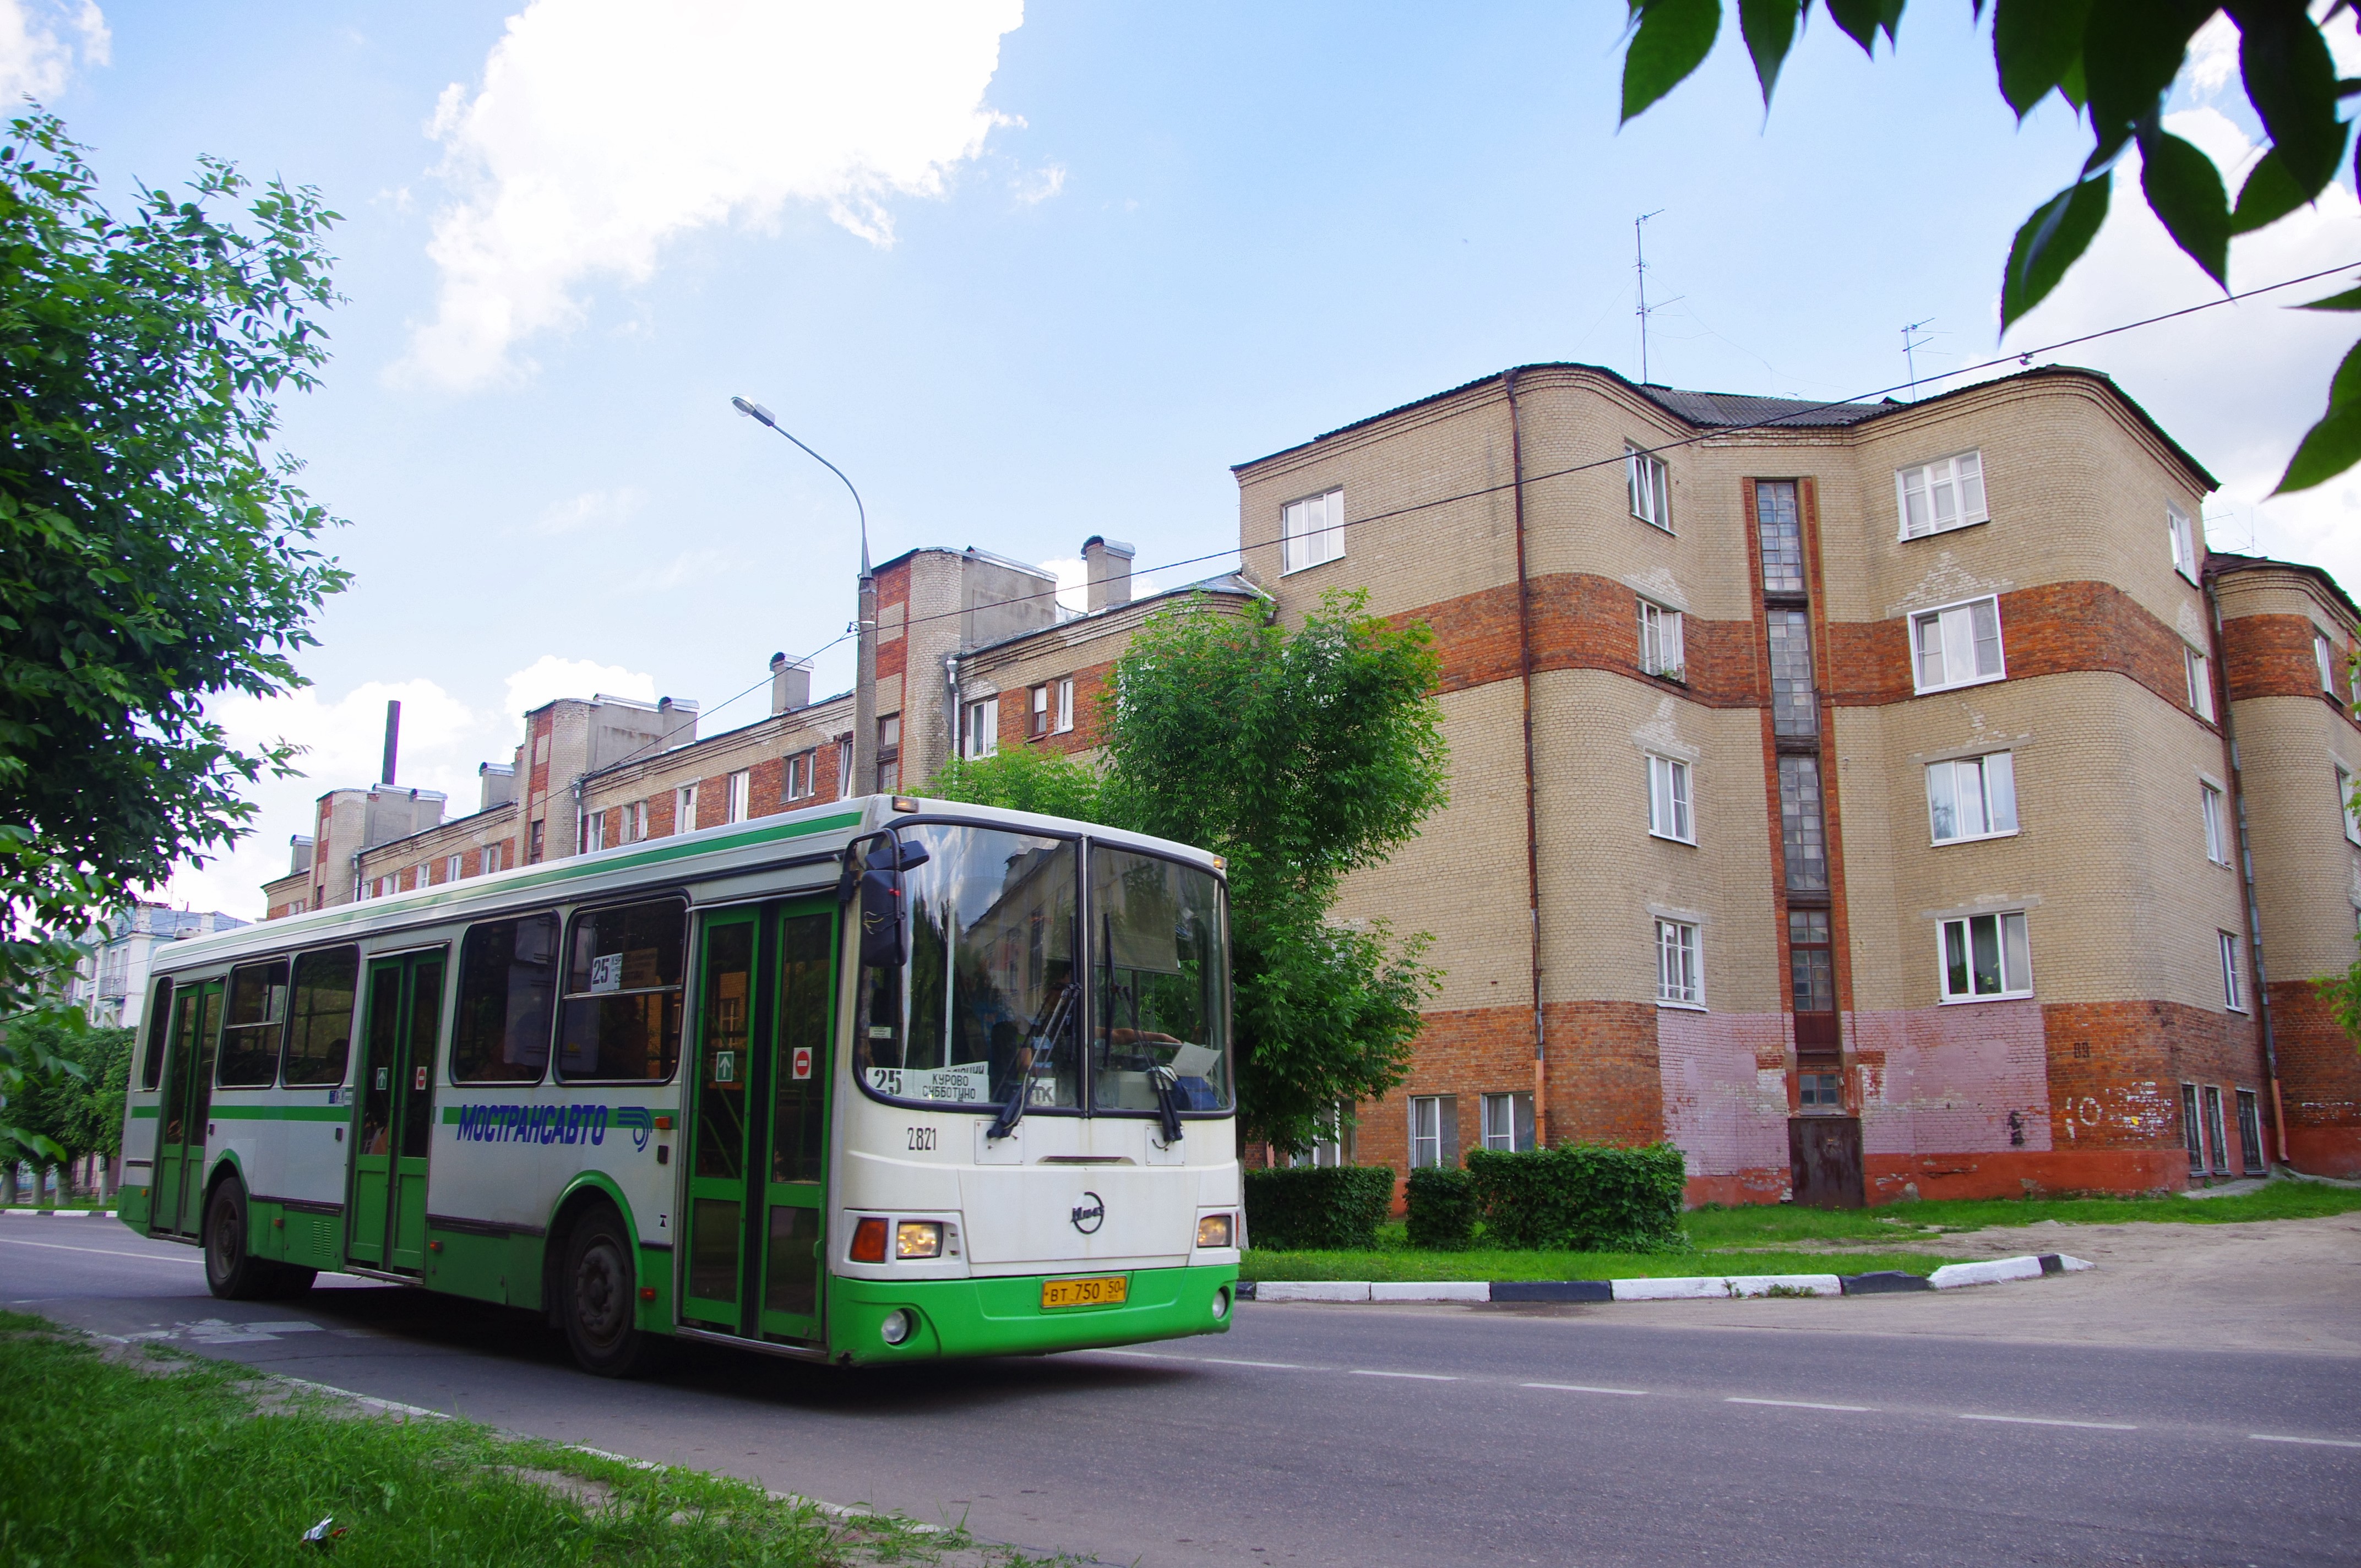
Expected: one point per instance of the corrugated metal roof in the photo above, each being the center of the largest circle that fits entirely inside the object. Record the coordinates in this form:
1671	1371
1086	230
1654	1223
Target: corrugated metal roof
1722	408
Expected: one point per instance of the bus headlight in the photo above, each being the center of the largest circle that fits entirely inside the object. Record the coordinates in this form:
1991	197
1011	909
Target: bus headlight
869	1241
918	1238
897	1326
1214	1230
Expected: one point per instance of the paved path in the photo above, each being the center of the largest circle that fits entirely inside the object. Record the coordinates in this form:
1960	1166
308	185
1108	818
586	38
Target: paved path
1376	1435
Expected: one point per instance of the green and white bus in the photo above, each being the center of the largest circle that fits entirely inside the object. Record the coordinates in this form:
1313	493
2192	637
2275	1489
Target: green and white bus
877	1081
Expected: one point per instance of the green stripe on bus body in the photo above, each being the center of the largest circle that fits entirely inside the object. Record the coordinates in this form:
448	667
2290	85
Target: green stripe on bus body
578	866
145	1113
221	1113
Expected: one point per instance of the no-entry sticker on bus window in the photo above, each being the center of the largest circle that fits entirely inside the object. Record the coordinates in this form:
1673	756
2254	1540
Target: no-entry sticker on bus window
802	1061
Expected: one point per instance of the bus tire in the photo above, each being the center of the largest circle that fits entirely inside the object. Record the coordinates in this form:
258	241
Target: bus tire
232	1272
599	1295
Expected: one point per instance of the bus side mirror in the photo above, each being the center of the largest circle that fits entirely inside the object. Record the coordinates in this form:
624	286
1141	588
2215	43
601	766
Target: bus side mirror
885	935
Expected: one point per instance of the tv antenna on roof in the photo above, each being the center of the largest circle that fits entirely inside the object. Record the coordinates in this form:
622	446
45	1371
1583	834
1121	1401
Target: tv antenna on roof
1910	348
1640	266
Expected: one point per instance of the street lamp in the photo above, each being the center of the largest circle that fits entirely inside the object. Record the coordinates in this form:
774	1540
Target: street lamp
864	683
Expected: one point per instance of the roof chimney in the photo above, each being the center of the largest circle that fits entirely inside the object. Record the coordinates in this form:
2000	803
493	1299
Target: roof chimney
790	684
1106	570
676	721
300	856
499	783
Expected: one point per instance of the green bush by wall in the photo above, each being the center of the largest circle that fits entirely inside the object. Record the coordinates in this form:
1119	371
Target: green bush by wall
1317	1207
1586	1197
1442	1208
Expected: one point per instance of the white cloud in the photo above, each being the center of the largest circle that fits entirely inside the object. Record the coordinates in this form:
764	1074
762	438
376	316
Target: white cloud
1073	582
591	508
41	41
550	677
1041	184
603	128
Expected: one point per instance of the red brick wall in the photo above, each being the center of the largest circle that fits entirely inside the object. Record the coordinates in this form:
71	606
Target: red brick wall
2319	1081
2045	630
2116	1069
2271	655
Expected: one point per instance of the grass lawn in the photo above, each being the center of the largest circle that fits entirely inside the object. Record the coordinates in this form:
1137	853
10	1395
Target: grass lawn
211	1465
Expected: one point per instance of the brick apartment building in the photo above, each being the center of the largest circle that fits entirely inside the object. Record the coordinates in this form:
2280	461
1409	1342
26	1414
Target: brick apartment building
1852	795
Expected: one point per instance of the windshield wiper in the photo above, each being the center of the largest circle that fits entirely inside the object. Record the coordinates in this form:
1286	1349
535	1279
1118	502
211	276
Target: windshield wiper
1167	1111
1020	1093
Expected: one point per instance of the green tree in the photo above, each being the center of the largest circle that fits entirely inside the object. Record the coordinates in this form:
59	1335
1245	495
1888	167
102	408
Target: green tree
155	550
80	1111
2115	61
1300	757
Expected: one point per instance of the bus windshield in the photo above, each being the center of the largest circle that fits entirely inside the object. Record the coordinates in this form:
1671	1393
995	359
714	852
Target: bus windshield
990	1000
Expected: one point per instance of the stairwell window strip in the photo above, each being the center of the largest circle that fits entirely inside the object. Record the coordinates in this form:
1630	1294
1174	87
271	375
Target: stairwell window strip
1985	958
2200	681
1942	495
2345	808
1670	815
2184	541
1660	641
1958	645
1973	798
1680	974
1794	706
1651	487
2232	982
1779	525
1311	531
1802	831
741	796
2218	828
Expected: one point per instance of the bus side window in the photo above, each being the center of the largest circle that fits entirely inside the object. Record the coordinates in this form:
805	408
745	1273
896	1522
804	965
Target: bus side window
319	1028
258	1009
508	971
159	1036
623	992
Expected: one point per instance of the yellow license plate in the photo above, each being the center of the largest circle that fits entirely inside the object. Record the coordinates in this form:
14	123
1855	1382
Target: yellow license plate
1107	1291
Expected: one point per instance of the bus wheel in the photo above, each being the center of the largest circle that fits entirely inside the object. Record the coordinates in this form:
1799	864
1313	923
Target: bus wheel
598	1296
232	1273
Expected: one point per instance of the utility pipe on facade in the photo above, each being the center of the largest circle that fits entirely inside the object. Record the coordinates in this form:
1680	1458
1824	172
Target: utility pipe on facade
865	680
1532	820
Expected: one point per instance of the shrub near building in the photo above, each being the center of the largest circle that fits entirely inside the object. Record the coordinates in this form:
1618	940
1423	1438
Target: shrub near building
1585	1197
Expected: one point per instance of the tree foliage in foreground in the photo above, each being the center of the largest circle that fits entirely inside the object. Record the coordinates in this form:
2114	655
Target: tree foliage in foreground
1300	757
2115	61
155	551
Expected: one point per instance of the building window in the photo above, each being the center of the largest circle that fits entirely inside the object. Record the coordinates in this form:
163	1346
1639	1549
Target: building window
540	840
1957	646
1651	485
1801	832
684	809
803	769
592	834
1433	1130
1037	711
1509	1121
1311	531
453	867
1065	705
2217	834
423	875
635	821
1974	797
1679	977
492	857
2345	805
1818	1094
1669	813
1779	518
2192	1129
2200	681
2233	988
2184	541
1327	1151
2250	1134
741	794
1812	958
1945	494
1794	708
2215	1133
844	767
1660	641
2321	656
889	753
980	729
1985	956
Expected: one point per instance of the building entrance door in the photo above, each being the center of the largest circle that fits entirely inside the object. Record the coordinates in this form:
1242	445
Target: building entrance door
1824	1161
179	1206
404	1015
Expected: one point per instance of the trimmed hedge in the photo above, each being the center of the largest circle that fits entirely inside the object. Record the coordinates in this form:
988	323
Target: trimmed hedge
1583	1197
1317	1207
1442	1208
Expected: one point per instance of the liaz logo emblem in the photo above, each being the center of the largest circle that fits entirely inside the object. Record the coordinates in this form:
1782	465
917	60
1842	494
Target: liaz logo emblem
639	1120
1090	1213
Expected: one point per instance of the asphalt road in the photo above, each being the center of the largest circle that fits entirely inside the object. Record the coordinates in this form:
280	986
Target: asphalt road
1374	1435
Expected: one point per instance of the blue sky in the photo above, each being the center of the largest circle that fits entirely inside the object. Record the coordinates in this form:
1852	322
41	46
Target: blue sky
1029	273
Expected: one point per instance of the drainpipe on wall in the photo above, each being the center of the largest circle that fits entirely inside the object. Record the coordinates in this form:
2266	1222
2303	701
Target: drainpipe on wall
2254	905
952	703
1533	831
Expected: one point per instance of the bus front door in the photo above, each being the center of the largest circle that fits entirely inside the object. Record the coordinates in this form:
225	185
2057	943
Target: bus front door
388	1212
177	1207
758	1169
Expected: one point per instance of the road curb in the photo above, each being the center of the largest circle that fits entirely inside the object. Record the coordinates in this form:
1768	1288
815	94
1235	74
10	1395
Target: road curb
61	1214
1691	1287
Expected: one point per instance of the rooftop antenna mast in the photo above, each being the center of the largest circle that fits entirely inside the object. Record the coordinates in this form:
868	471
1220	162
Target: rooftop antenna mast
1640	266
1910	346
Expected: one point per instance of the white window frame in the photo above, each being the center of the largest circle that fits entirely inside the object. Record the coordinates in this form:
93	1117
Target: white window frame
979	727
2012	986
684	809
1992	778
1065	722
1037	711
454	867
1497	1121
1959	617
2200	670
590	832
1680	964
490	859
1662	651
2184	540
2233	984
2345	805
2323	656
1648	485
741	794
1956	479
2212	805
844	767
803	775
1671	799
1425	1131
1311	531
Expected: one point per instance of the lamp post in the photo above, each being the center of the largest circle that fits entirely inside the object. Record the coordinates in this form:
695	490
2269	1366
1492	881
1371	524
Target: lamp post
865	680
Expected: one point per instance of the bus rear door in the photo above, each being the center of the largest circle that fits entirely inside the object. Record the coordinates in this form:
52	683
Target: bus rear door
404	1010
179	1205
758	1135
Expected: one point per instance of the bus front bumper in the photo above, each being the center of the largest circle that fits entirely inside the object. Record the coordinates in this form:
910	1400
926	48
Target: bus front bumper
1004	1316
